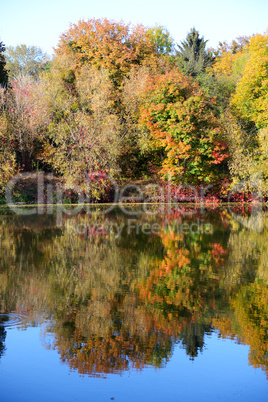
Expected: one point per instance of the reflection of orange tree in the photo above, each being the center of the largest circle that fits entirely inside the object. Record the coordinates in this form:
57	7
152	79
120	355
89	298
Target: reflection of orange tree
115	351
182	288
187	277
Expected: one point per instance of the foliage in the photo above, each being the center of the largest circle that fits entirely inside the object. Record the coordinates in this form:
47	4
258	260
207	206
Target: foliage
25	60
242	145
163	40
25	111
221	77
106	44
112	103
84	132
136	158
7	154
182	122
250	99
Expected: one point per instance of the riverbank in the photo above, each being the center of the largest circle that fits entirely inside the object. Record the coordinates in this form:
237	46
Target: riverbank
38	189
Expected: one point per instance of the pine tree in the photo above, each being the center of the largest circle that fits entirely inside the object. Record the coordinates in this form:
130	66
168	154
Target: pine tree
192	56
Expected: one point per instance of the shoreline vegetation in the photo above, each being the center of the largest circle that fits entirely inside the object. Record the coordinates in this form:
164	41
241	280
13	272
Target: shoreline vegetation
124	108
28	191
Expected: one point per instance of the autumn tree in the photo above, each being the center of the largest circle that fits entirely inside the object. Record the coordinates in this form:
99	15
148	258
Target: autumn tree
118	49
250	98
136	158
8	165
181	121
244	68
110	45
243	149
83	136
26	115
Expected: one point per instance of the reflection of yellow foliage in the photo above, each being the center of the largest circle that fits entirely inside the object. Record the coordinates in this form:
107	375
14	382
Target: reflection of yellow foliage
3	282
251	311
250	322
225	326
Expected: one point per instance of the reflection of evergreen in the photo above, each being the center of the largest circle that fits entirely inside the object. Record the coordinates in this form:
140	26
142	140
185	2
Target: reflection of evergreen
192	338
3	334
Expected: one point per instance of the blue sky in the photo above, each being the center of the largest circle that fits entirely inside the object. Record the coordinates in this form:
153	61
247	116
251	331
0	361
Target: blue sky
41	23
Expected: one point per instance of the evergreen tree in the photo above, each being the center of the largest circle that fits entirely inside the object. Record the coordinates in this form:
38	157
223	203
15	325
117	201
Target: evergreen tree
3	71
192	56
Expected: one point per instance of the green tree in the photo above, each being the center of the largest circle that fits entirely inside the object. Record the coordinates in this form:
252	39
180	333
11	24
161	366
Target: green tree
26	60
221	78
192	56
3	70
243	148
162	38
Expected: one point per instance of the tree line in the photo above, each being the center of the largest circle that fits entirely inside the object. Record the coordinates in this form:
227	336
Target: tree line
125	101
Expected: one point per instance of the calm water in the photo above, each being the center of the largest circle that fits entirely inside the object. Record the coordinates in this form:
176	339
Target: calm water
166	306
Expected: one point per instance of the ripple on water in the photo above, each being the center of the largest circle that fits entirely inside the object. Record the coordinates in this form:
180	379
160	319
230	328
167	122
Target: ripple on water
12	320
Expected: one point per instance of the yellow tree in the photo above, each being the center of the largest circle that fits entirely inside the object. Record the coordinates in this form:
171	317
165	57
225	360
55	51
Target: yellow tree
250	99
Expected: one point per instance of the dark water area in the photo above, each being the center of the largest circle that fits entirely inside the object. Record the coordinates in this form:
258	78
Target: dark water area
162	305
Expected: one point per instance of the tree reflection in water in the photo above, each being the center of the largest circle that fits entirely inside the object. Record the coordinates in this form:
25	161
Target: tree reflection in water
3	334
117	304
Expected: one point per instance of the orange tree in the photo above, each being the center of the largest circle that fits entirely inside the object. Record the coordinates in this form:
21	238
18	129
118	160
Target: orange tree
110	45
181	121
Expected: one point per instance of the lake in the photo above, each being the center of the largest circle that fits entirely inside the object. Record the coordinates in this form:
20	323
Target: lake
166	303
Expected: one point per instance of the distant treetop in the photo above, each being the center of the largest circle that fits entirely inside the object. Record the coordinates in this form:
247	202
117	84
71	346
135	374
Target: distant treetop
25	60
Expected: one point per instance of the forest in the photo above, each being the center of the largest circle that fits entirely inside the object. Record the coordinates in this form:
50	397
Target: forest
127	102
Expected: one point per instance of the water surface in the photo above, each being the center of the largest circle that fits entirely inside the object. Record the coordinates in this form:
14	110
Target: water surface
165	306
